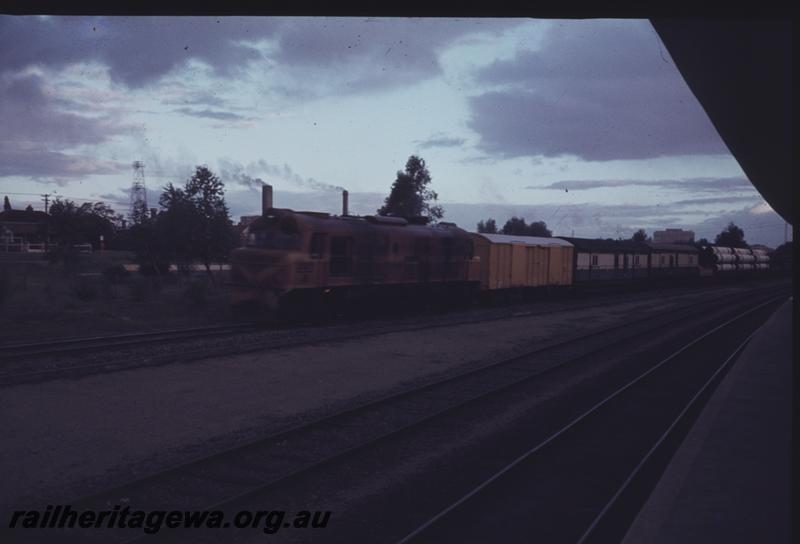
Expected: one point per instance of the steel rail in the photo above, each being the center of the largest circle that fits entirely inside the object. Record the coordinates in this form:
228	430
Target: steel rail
527	454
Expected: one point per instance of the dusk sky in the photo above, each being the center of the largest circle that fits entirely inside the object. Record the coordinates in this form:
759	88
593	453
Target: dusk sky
584	124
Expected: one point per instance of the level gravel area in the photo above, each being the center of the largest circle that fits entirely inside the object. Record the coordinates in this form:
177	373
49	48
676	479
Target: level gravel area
68	437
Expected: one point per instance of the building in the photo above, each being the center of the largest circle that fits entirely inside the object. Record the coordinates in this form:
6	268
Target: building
673	236
246	220
23	231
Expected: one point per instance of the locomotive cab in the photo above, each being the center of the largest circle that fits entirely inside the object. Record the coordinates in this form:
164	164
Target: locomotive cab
260	267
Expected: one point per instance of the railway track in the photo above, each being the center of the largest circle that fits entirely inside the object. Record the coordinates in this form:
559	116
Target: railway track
594	472
239	474
97	343
238	345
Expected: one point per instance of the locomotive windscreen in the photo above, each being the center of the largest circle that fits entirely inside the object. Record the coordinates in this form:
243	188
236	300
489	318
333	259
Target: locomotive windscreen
274	233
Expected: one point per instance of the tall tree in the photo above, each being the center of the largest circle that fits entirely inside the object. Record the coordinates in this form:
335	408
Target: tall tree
194	224
539	228
518	227
410	195
732	236
487	227
6	204
640	236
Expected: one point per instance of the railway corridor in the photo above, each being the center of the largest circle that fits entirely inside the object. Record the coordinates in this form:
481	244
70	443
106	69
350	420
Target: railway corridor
406	456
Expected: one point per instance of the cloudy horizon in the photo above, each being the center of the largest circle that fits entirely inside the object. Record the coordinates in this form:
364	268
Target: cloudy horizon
584	124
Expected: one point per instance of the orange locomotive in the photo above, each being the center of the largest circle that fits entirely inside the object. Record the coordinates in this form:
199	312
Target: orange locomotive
294	262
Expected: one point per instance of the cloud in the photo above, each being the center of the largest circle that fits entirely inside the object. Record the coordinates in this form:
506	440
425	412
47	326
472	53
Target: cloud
598	90
718	200
212	114
38	132
702	185
137	50
355	55
440	140
696	185
312	52
190	97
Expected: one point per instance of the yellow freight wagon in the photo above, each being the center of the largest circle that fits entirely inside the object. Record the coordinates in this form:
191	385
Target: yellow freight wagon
522	261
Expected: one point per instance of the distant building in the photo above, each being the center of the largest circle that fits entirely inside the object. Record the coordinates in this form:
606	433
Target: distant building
245	220
673	236
23	230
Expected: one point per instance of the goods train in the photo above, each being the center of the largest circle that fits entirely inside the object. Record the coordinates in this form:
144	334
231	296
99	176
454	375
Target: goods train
300	260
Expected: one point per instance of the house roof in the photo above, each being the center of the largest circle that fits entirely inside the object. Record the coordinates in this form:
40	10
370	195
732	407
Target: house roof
23	216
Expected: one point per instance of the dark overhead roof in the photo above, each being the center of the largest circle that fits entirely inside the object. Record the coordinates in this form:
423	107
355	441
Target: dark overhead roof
741	73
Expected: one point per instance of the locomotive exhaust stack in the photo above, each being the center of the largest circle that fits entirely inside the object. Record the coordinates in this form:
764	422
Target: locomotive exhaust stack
266	198
345	196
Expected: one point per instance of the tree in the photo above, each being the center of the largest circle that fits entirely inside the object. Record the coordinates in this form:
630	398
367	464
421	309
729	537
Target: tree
488	227
517	226
75	224
539	228
194	223
6	204
640	236
732	236
410	195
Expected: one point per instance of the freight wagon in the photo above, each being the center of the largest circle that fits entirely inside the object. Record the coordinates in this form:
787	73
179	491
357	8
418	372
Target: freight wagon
515	262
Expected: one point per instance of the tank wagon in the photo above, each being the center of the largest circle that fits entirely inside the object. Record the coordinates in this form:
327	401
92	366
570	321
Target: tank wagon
729	261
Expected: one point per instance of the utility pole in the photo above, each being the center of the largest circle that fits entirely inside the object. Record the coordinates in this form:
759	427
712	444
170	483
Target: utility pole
46	197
